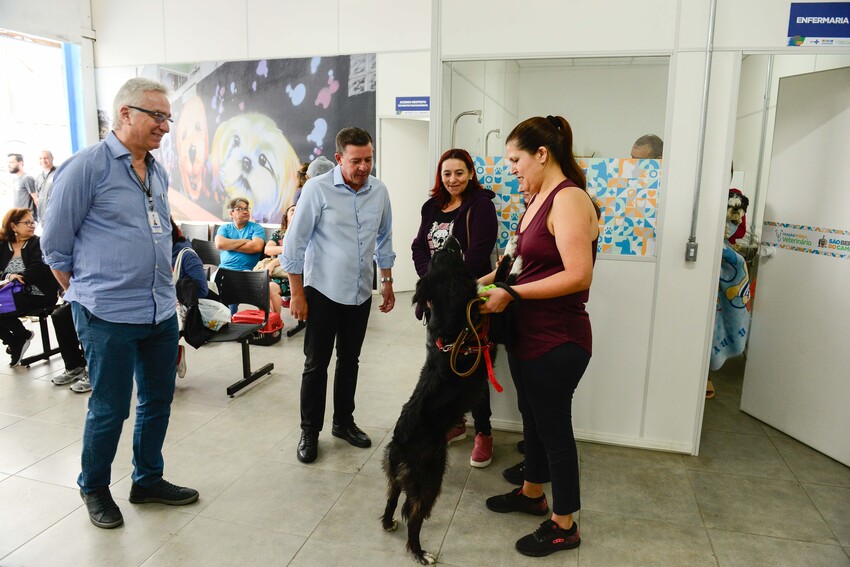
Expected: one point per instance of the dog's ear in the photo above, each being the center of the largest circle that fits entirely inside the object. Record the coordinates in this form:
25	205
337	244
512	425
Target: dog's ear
745	202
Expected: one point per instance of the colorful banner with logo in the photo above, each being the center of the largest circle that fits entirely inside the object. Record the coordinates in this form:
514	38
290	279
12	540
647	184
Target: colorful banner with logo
810	239
819	24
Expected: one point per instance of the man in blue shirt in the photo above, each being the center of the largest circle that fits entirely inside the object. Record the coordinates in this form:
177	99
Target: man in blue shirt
242	241
343	221
108	240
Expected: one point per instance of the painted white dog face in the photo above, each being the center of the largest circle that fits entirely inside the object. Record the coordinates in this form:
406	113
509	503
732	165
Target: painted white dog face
251	158
192	148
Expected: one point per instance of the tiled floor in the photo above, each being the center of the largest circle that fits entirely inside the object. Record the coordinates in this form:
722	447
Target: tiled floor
753	496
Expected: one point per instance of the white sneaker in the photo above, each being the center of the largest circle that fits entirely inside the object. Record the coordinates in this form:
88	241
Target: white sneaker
83	385
69	376
181	361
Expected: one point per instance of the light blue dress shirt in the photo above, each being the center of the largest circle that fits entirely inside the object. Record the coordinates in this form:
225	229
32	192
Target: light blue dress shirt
98	228
335	233
234	259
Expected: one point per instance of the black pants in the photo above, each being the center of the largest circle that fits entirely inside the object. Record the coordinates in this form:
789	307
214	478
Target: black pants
545	387
481	411
66	335
331	322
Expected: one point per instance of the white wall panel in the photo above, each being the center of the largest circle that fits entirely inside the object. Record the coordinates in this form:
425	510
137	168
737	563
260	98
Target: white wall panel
401	74
205	30
367	26
54	19
120	38
483	28
289	29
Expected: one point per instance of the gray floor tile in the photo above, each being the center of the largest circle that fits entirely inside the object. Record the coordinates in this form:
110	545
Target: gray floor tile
71	411
27	442
7	420
634	483
749	550
810	465
29	507
777	508
616	541
146	529
738	453
722	413
280	497
63	466
316	553
209	542
833	502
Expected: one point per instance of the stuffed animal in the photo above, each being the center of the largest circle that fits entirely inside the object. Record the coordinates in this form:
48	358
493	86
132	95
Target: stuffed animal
736	219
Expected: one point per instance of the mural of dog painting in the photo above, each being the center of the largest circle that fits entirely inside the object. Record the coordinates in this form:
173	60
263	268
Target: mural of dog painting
251	158
192	142
415	458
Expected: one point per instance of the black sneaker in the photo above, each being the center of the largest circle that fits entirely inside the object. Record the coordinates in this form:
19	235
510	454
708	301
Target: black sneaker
516	501
163	492
18	350
548	539
515	474
103	511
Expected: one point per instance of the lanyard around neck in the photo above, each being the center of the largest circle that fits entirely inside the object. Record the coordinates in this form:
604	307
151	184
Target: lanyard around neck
146	189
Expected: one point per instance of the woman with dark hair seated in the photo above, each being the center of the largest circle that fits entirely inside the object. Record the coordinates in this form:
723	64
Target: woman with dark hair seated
20	261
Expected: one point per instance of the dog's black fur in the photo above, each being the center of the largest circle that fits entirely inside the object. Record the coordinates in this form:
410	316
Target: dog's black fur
415	459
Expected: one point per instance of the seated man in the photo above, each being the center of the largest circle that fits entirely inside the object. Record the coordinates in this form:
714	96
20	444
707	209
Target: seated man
241	243
648	146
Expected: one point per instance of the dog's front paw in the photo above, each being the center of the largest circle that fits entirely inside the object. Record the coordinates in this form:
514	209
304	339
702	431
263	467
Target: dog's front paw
426	558
391	527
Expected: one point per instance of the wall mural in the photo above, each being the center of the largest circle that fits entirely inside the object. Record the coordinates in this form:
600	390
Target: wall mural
626	191
242	128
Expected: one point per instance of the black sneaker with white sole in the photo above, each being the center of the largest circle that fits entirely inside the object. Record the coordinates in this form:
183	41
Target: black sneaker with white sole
18	349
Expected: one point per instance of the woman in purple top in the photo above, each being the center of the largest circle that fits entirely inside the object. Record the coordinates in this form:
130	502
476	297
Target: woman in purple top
557	239
460	207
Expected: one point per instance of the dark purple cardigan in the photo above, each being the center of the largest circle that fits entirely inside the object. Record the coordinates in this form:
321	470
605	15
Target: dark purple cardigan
481	213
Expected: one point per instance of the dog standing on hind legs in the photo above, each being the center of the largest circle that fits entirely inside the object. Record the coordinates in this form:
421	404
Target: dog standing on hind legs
415	459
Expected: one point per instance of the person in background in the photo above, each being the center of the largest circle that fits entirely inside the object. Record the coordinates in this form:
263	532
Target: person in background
648	146
343	221
273	249
44	181
461	207
557	237
241	243
317	167
302	179
108	240
20	261
23	186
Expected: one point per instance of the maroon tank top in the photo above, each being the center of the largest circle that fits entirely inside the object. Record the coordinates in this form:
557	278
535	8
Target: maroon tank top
544	324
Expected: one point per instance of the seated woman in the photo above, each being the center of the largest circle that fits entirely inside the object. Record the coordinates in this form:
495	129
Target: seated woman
20	261
273	249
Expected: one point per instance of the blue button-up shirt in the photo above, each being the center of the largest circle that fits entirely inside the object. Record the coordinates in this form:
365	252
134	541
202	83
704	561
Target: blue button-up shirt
98	229
335	233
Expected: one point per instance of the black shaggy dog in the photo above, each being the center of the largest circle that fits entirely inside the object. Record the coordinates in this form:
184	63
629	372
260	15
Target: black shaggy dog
415	459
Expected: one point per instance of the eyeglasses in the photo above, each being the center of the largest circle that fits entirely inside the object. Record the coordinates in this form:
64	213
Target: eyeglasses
29	223
158	117
241	209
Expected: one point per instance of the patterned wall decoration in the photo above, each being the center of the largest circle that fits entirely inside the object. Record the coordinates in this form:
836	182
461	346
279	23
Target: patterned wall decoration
626	191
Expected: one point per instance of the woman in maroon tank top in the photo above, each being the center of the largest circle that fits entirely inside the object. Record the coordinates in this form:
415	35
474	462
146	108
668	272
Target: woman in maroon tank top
557	242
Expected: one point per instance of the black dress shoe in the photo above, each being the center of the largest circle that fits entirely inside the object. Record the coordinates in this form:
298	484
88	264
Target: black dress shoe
352	434
308	446
103	511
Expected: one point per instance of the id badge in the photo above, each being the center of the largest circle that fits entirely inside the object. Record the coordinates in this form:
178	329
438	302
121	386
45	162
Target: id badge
153	220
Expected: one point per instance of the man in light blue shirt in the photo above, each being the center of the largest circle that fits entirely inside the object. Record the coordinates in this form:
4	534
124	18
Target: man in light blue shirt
108	240
343	221
241	242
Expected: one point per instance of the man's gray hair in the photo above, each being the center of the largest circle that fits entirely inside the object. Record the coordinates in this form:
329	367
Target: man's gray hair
131	93
656	146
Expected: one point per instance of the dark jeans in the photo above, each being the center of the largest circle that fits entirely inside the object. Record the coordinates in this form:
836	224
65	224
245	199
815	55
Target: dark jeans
66	335
116	352
331	322
545	387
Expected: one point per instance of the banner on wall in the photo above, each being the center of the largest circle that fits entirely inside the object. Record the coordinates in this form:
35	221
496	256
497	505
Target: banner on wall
808	239
243	128
626	191
819	24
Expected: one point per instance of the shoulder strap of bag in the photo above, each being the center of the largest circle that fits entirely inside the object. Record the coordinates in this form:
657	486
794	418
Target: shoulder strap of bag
178	264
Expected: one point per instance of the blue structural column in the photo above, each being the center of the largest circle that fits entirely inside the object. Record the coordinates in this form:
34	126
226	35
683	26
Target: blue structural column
73	82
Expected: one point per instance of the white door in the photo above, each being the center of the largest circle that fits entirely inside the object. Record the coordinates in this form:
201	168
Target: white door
797	377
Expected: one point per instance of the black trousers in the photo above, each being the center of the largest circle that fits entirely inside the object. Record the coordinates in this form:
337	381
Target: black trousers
331	322
12	331
66	335
545	387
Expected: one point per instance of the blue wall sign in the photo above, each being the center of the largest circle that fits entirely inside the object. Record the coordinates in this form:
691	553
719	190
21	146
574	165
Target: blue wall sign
819	24
412	104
